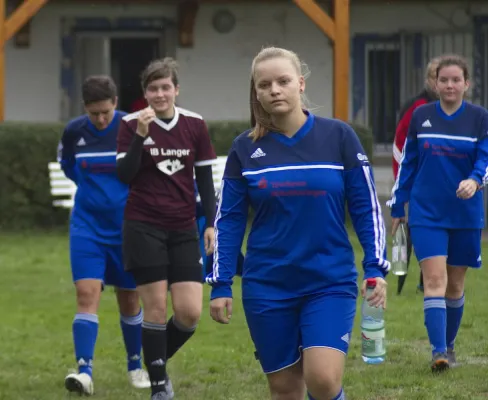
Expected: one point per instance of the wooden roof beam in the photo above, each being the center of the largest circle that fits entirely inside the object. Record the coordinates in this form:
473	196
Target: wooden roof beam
337	30
20	16
187	15
318	16
9	26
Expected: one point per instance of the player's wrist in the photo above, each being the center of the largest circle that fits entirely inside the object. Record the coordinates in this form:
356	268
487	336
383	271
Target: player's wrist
141	134
476	182
398	211
373	273
221	291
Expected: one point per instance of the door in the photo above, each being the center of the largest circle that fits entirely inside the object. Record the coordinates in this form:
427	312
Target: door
122	55
92	57
127	74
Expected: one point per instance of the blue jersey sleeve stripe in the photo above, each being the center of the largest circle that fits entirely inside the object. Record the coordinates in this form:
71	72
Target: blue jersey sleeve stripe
485	177
292	167
480	170
230	226
444	136
400	192
378	222
213	277
100	154
396	185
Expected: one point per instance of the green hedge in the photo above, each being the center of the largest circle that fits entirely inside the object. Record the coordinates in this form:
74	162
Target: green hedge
223	133
27	148
25	199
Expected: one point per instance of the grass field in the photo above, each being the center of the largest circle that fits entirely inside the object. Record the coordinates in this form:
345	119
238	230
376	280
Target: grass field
37	307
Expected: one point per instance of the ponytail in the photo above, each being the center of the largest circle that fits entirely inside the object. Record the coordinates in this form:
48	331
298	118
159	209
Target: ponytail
260	119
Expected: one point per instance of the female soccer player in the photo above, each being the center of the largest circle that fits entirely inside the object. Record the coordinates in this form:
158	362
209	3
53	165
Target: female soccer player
297	171
158	149
87	157
444	164
427	95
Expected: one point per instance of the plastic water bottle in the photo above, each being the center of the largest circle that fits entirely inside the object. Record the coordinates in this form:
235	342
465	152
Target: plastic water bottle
399	256
373	347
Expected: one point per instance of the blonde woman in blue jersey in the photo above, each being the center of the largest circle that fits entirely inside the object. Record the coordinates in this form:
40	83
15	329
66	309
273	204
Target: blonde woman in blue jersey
444	165
299	286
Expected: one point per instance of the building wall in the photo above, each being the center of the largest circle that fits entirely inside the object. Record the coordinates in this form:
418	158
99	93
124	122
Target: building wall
215	72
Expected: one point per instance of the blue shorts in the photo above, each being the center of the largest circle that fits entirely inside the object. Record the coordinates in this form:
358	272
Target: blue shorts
280	330
462	247
93	260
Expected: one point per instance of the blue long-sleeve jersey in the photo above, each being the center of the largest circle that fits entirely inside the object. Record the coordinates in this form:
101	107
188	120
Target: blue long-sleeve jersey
298	188
87	157
442	150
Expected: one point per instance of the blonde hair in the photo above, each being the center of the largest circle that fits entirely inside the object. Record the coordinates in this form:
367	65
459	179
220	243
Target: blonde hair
260	118
430	70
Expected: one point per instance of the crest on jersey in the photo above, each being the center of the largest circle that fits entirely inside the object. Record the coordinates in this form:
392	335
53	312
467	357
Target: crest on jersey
170	167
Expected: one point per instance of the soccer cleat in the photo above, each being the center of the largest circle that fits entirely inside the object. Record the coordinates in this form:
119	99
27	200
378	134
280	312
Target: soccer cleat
79	383
139	379
451	357
440	362
162	396
169	387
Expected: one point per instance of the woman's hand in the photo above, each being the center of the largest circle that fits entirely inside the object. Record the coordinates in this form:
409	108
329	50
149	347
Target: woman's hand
467	189
378	297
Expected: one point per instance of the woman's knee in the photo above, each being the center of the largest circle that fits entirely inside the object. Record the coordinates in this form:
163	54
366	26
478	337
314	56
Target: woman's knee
323	370
187	302
455	282
88	293
435	276
154	298
287	384
128	301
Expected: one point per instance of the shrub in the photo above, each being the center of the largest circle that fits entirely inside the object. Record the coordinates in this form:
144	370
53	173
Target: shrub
27	148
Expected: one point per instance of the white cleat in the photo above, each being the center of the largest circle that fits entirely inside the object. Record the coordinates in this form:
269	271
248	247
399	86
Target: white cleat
139	379
79	383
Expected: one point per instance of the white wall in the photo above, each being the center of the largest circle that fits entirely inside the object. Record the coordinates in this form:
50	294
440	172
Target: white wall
215	72
33	90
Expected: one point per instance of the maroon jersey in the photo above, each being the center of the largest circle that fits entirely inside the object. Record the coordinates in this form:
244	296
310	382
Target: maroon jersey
163	191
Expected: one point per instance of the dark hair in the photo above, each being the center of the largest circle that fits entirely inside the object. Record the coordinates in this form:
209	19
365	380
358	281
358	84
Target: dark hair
97	88
453	59
160	69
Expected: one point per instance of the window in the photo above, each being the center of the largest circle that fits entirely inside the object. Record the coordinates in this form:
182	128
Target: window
383	90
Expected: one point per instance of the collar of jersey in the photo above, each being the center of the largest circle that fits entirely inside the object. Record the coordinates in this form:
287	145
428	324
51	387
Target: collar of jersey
441	112
170	125
103	132
301	133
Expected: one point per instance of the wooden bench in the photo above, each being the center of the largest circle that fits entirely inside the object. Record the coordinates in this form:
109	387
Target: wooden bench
63	189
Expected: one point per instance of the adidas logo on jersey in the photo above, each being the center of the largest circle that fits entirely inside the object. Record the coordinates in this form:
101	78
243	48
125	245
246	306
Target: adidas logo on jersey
427	124
258	153
81	142
148	141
